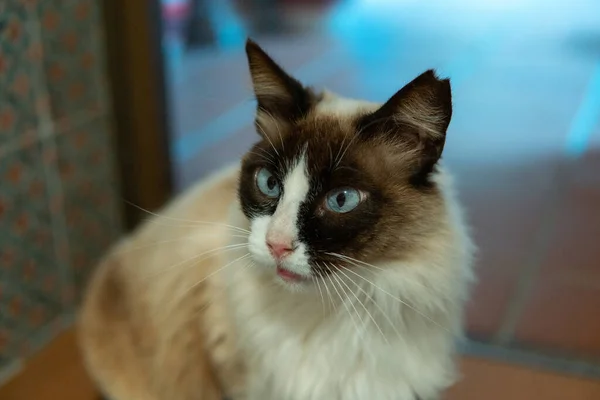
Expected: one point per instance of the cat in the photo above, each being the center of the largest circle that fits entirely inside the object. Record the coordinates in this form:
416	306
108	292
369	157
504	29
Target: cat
333	262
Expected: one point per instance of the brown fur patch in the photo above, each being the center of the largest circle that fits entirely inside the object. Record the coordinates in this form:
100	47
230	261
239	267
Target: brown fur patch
394	218
138	342
389	154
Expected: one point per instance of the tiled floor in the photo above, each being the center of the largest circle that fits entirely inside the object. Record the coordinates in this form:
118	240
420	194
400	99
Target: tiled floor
58	374
524	143
484	380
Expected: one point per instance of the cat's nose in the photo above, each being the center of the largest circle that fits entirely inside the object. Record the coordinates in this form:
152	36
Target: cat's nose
280	249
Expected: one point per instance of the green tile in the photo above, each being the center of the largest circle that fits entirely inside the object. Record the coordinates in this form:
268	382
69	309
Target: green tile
91	195
30	275
72	63
20	74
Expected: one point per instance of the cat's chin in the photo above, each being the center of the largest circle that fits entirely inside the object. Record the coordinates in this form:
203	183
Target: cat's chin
289	276
290	280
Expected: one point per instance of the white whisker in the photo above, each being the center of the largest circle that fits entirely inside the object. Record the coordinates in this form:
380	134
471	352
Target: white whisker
398	299
266	135
376	305
354	259
196	224
277	126
366	267
127	250
330	155
316	280
191	222
346	150
188	290
331	277
197	258
328	292
262	156
337	157
208	304
340	282
341	270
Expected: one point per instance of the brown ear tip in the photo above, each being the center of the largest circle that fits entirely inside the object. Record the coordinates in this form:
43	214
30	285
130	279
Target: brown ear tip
434	75
446	83
434	78
251	46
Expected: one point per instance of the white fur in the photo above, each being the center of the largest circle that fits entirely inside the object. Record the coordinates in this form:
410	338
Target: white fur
343	106
393	339
282	225
299	349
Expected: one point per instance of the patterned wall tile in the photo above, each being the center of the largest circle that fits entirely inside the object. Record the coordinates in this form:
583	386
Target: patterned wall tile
92	227
92	211
58	200
21	97
30	288
72	65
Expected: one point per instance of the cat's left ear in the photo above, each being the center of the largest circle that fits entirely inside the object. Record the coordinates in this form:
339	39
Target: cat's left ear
279	96
416	117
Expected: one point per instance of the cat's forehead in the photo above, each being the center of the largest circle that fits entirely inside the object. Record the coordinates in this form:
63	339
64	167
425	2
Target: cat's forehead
326	137
330	124
333	105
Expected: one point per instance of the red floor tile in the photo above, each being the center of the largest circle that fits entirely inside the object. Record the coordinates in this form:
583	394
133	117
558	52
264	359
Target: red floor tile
484	380
574	251
564	308
507	151
562	317
487	307
505	205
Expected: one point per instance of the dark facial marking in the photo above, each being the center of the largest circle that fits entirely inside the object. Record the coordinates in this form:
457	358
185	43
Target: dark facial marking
392	154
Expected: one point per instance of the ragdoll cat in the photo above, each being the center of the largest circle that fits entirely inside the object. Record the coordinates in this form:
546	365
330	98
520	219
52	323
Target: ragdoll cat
332	264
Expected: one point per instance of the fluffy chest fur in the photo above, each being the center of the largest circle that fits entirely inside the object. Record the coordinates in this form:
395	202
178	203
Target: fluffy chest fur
301	349
358	257
387	333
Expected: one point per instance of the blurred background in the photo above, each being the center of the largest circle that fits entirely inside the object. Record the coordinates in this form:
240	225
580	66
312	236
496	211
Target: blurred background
106	101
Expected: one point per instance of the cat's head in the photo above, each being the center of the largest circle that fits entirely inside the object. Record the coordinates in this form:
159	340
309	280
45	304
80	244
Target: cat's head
334	180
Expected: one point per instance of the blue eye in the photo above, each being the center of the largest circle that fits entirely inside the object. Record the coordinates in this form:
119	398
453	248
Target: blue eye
267	183
343	200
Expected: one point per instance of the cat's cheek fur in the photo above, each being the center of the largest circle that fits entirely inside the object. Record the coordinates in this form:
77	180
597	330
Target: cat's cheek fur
257	245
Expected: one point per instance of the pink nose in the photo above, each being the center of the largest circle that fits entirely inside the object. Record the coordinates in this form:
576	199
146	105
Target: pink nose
280	250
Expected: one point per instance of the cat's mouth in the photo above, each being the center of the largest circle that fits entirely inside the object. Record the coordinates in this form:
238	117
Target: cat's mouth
289	276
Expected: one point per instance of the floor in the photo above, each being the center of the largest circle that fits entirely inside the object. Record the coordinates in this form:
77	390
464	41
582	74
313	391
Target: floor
524	143
58	374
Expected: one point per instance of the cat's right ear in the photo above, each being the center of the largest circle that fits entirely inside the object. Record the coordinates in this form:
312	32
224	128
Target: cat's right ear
416	118
281	99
